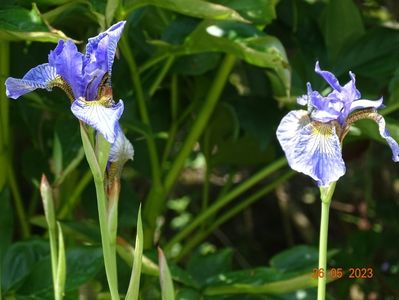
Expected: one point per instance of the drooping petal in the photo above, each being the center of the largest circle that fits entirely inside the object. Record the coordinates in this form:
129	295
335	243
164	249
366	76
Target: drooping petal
329	77
121	150
312	148
102	118
40	77
362	104
287	131
384	132
100	54
68	62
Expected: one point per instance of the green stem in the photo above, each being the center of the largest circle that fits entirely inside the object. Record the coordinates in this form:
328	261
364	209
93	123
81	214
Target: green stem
325	195
227	198
161	75
107	244
174	91
201	120
22	218
193	241
152	62
155	202
97	162
155	167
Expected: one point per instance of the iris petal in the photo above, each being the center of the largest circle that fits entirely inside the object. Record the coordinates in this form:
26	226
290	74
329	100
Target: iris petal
362	104
40	77
100	50
102	118
68	62
312	148
121	150
329	77
384	132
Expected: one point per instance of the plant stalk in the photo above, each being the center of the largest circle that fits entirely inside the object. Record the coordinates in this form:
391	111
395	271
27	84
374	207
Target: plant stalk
325	195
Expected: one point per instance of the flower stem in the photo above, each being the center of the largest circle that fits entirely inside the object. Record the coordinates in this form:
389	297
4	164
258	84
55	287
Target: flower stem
325	195
201	120
225	199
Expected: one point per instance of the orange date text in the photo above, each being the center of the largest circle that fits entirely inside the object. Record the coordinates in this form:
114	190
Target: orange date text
336	273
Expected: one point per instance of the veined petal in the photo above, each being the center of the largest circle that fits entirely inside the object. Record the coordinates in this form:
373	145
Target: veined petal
68	62
329	77
361	104
100	53
384	132
287	131
40	77
312	148
100	50
102	118
121	150
318	153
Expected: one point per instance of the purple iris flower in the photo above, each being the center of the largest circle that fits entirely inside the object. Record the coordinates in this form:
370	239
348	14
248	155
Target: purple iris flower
312	139
86	78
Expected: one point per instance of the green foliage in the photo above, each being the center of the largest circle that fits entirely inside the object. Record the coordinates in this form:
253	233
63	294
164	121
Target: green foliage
205	84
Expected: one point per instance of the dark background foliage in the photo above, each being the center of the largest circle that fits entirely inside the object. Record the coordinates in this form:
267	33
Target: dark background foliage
204	88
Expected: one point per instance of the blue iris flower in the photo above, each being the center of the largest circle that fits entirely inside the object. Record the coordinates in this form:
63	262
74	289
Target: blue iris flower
86	78
312	139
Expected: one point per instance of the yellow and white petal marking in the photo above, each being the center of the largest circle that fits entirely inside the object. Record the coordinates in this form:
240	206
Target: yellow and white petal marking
312	148
101	115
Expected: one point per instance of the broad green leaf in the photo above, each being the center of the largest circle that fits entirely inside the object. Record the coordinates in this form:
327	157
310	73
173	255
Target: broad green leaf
256	11
241	40
134	284
19	261
193	8
204	266
345	31
18	24
165	278
294	259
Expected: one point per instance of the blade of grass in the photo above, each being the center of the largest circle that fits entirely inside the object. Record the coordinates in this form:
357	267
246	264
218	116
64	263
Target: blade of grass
165	278
134	284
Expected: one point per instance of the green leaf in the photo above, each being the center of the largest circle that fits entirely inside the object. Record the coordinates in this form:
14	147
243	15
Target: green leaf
165	278
61	264
110	9
256	11
204	266
193	8
259	281
134	284
296	258
19	261
83	264
241	40
345	31
18	24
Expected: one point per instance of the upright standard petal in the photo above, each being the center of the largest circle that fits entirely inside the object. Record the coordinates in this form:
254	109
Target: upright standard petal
312	148
329	77
99	116
40	77
100	50
68	62
100	53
